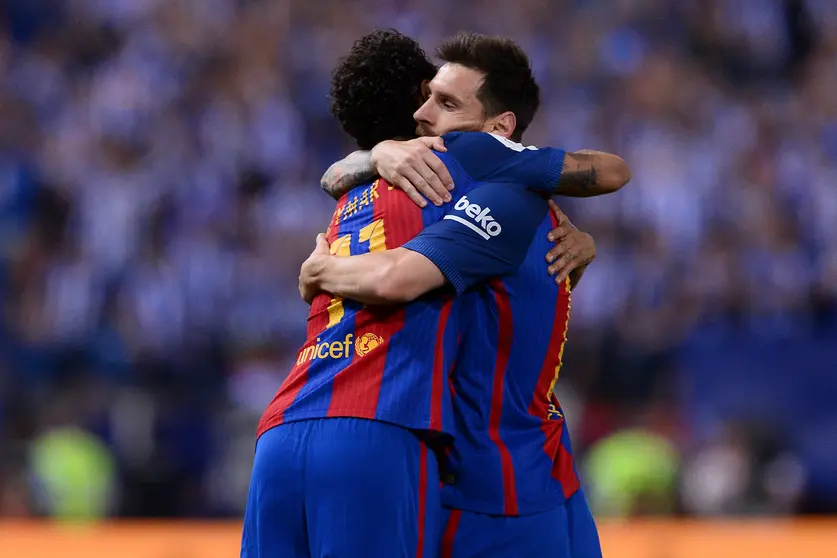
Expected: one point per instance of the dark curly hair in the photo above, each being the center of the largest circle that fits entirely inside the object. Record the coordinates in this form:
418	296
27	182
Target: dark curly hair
376	88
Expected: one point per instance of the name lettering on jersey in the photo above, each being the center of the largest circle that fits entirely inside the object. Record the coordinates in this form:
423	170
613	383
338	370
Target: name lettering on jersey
479	218
553	413
363	345
359	201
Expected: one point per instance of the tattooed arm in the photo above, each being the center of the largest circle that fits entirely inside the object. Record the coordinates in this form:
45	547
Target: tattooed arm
411	166
345	174
414	168
589	173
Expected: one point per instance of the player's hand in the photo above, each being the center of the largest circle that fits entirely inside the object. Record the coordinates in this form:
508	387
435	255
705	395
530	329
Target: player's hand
573	248
412	166
308	288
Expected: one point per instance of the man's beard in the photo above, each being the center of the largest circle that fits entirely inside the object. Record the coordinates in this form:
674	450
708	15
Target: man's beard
422	131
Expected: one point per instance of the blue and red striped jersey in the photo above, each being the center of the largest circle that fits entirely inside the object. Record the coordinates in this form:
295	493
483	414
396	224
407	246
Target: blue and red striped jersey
353	362
512	453
392	363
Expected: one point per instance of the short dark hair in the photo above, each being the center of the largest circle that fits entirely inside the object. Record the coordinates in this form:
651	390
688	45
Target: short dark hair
376	89
509	83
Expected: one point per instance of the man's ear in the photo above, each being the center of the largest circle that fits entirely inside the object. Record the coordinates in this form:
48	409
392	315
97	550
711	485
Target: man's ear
503	124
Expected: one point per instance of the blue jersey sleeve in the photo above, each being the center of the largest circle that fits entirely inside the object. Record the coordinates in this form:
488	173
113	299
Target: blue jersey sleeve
488	157
485	234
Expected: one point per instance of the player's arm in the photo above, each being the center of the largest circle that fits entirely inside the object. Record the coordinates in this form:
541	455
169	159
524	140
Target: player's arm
411	166
488	157
485	237
387	277
548	170
588	173
347	173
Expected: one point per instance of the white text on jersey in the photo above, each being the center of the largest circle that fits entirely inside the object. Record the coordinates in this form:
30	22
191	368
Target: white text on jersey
483	223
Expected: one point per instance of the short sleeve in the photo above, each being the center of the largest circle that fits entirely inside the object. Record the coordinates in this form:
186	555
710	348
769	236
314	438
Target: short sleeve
486	234
489	157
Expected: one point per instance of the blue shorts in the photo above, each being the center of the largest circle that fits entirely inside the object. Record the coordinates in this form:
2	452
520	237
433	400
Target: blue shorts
342	487
566	531
584	535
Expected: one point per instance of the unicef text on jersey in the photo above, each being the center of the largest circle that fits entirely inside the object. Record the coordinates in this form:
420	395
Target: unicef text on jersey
364	344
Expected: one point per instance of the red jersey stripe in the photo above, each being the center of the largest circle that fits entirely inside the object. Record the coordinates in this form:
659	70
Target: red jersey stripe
564	472
410	220
439	378
449	535
504	342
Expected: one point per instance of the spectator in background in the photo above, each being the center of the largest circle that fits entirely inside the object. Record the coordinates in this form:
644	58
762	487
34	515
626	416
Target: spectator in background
633	471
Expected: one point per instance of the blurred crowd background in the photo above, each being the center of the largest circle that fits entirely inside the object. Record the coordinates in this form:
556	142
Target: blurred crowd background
159	170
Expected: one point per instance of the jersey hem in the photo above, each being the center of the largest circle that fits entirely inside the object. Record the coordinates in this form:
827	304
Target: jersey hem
497	509
269	425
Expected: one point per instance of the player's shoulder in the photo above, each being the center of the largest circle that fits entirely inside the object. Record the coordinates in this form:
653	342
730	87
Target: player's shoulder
485	139
483	155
